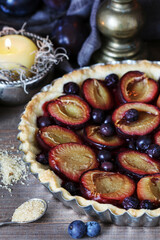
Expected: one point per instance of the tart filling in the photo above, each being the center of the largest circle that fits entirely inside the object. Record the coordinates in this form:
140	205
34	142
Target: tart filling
148	120
74	160
137	164
69	111
106	187
93	135
54	135
137	87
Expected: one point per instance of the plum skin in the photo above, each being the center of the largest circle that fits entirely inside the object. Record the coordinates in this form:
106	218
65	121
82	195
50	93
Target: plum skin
119	114
19	7
70	33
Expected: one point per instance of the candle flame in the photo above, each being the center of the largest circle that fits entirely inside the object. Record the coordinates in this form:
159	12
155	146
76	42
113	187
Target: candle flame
8	43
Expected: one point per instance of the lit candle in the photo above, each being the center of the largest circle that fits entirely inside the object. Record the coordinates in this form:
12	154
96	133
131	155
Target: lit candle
15	50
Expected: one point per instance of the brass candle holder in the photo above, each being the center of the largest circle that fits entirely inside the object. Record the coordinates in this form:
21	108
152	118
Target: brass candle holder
119	21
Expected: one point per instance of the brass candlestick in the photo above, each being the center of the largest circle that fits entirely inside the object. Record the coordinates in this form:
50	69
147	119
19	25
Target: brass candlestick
119	21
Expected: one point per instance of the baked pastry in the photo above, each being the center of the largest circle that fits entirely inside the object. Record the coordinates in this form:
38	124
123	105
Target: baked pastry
67	115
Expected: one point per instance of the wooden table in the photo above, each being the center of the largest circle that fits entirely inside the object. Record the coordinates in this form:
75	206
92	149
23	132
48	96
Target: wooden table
55	223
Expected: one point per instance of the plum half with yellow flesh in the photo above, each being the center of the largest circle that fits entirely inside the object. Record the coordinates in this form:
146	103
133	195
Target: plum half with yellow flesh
94	137
70	111
106	187
97	94
137	164
54	135
135	86
148	119
158	101
148	188
72	159
157	138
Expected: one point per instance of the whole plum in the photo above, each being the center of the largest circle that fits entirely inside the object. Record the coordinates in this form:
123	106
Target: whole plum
58	5
70	32
19	7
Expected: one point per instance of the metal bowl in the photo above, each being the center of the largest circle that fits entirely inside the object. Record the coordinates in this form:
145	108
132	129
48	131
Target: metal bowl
12	92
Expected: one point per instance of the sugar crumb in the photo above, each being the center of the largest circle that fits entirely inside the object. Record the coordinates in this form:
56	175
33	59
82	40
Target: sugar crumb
12	169
28	211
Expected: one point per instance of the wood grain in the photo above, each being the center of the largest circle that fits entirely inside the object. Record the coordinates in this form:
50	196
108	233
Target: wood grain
55	223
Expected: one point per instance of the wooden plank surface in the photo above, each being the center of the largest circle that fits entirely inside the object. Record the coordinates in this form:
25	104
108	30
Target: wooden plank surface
55	223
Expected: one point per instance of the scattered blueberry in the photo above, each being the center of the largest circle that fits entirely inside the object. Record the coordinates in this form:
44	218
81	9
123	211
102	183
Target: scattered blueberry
42	158
132	144
104	155
71	88
143	143
44	121
93	229
107	166
130	202
108	119
154	151
131	115
146	204
107	129
77	229
98	115
71	187
111	80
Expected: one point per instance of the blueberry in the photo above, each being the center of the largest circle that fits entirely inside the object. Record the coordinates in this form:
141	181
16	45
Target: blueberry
154	151
131	115
98	115
107	166
132	144
107	129
146	204
42	158
143	143
104	155
44	121
71	187
93	228
130	202
77	229
71	88
111	80
108	119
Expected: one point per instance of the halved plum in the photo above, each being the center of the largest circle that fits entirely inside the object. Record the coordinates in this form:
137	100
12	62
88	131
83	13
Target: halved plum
69	111
94	137
41	143
135	86
44	108
148	188
137	164
158	101
148	120
54	135
97	94
72	159
106	187
157	138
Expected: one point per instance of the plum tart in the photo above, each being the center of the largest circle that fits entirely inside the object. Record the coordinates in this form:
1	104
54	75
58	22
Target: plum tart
99	145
